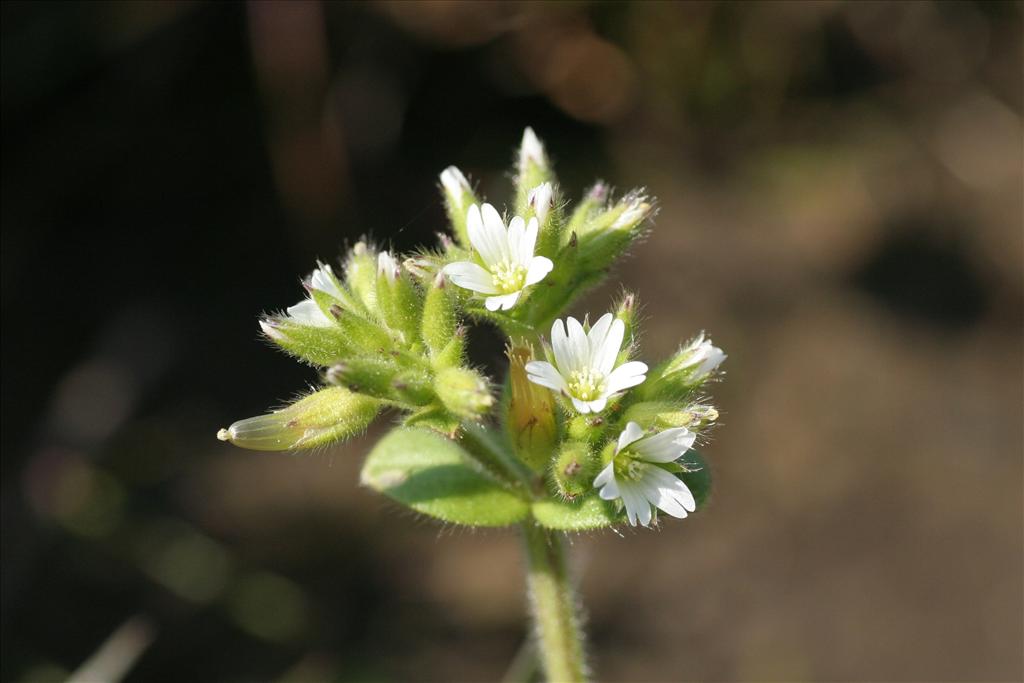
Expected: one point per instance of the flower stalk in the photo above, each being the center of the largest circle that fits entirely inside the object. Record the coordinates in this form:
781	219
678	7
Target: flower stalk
553	605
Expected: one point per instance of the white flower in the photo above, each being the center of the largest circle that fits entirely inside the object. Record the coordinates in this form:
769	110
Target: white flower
539	199
634	475
507	255
455	186
700	356
584	367
387	265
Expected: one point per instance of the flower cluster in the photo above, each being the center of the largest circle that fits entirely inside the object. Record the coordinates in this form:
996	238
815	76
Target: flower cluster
583	434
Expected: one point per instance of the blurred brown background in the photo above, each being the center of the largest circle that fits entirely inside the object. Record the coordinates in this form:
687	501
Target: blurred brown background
840	188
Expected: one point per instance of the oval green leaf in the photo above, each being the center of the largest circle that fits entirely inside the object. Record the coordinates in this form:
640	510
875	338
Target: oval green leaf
431	474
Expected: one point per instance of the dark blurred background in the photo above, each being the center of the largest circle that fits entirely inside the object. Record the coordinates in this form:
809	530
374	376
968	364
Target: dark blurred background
840	191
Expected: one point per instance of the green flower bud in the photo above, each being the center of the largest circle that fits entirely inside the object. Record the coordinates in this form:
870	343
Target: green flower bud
463	392
587	428
322	418
315	344
608	234
686	371
531	414
365	335
543	203
383	379
458	197
586	211
439	316
454	351
398	300
361	275
574	469
665	415
532	169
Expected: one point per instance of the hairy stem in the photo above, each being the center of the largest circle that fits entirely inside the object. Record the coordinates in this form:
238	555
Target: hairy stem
553	603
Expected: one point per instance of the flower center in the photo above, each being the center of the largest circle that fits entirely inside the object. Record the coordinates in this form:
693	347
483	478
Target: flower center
628	468
586	384
508	277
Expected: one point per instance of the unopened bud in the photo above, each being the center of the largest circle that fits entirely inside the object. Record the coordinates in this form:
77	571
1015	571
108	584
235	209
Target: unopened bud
541	200
361	275
574	469
533	170
398	300
324	417
587	428
463	392
458	197
697	359
439	317
666	415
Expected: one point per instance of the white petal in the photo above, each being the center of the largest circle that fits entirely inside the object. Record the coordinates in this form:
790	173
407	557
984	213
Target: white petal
715	356
538	269
581	406
625	376
387	265
455	184
323	280
544	373
530	149
539	199
469	275
503	302
606	475
271	331
579	347
606	355
605	481
516	237
670	488
666	446
597	405
494	229
637	505
306	312
598	332
560	345
529	242
480	238
631	433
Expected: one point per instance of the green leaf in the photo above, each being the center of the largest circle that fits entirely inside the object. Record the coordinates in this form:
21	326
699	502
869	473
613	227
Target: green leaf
431	474
696	476
589	513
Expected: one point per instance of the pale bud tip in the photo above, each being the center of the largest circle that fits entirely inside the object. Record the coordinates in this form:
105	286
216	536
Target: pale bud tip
271	330
224	434
455	185
531	148
387	265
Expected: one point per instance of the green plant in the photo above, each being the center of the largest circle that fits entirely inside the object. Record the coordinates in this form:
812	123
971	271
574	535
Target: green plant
581	435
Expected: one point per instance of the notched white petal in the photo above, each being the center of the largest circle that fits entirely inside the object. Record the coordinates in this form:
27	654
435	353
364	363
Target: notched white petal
538	269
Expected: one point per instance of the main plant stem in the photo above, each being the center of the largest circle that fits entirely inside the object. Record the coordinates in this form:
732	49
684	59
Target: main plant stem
553	602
